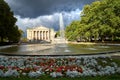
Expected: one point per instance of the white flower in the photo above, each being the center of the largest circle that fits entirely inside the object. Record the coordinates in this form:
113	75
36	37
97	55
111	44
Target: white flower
109	70
59	74
11	73
101	73
118	70
1	73
24	74
104	61
56	74
78	62
15	73
114	64
53	74
34	74
72	73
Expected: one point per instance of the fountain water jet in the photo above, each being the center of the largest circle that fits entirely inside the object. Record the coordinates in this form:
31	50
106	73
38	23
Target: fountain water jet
62	35
61	39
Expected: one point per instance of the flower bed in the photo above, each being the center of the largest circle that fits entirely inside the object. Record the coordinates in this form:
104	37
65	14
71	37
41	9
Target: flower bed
69	66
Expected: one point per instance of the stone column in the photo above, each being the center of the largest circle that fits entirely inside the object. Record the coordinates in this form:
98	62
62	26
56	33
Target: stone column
38	35
45	34
33	35
30	35
48	35
41	35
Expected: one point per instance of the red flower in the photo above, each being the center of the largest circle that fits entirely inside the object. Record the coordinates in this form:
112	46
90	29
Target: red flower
71	59
58	69
26	70
9	67
66	68
44	59
30	59
35	68
51	69
42	64
80	70
35	62
2	67
16	68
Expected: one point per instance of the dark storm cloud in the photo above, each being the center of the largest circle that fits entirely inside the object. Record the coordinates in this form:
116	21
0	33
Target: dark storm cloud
34	8
32	13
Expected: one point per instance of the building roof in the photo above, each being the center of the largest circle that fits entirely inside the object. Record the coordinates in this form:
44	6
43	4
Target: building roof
39	27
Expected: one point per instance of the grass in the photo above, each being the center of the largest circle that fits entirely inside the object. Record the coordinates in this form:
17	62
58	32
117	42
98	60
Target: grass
110	77
117	60
47	77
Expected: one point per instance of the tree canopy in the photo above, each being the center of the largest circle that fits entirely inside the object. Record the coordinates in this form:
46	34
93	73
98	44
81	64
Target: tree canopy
99	21
8	30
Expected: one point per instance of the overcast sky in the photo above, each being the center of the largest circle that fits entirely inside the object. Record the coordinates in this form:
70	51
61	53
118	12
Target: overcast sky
31	13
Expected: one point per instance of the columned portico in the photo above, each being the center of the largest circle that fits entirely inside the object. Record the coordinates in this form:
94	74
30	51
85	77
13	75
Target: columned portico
40	33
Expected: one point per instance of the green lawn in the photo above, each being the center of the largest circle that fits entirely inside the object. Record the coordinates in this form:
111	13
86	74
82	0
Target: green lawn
111	77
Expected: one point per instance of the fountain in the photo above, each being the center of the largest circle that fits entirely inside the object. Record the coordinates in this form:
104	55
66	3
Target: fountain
60	47
61	39
61	23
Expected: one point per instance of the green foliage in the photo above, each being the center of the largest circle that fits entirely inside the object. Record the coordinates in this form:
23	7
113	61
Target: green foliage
99	20
57	34
71	30
8	30
23	39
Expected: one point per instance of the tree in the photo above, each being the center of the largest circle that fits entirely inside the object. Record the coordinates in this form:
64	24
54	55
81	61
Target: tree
8	30
70	32
99	20
57	34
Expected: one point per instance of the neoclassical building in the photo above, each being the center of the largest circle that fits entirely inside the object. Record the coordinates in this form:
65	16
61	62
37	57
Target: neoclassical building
40	33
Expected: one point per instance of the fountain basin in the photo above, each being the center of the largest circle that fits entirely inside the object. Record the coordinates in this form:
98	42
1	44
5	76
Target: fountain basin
59	49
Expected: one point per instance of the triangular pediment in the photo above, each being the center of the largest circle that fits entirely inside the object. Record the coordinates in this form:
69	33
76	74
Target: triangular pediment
38	28
41	27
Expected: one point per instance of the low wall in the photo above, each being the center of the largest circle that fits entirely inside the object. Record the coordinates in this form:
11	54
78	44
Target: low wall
59	41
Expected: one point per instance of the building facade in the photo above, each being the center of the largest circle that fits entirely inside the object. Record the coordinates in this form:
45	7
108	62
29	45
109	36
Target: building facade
40	33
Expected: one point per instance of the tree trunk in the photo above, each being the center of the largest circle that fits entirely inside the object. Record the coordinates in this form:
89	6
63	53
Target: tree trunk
112	37
1	39
102	39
